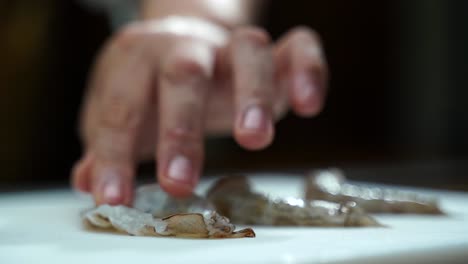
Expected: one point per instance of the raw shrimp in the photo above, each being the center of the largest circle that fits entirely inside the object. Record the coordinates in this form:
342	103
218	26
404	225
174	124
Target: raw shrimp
331	185
157	214
233	197
152	199
138	223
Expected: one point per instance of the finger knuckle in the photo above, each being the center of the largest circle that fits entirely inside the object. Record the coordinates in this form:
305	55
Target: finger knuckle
113	145
301	33
119	113
182	68
181	134
130	37
254	34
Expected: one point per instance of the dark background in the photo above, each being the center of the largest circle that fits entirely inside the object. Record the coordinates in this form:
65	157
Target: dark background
395	113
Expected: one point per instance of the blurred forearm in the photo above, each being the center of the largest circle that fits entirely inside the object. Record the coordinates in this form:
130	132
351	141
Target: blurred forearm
228	13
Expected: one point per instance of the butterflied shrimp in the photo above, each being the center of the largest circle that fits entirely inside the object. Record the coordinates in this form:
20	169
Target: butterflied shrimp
135	222
152	199
233	197
157	214
331	185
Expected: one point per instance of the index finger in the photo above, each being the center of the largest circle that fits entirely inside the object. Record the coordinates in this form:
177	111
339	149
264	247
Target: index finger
114	115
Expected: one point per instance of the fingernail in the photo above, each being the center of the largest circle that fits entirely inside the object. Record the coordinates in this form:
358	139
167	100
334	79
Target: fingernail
254	119
304	87
111	187
111	191
180	169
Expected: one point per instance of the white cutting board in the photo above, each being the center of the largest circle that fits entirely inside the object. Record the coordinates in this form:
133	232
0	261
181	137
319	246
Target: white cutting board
44	227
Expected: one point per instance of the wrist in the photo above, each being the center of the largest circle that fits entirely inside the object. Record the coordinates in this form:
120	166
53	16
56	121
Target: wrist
226	13
187	26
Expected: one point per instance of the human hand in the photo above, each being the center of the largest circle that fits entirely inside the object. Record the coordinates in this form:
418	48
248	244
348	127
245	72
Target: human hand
159	87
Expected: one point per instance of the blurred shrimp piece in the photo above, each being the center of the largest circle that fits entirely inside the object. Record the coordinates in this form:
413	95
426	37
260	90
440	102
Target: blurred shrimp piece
233	197
330	185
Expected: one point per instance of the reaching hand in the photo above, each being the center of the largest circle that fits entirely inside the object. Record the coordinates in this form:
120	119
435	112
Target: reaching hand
159	87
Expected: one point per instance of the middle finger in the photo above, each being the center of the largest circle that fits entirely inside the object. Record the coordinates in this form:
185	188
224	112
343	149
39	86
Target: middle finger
184	81
252	66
